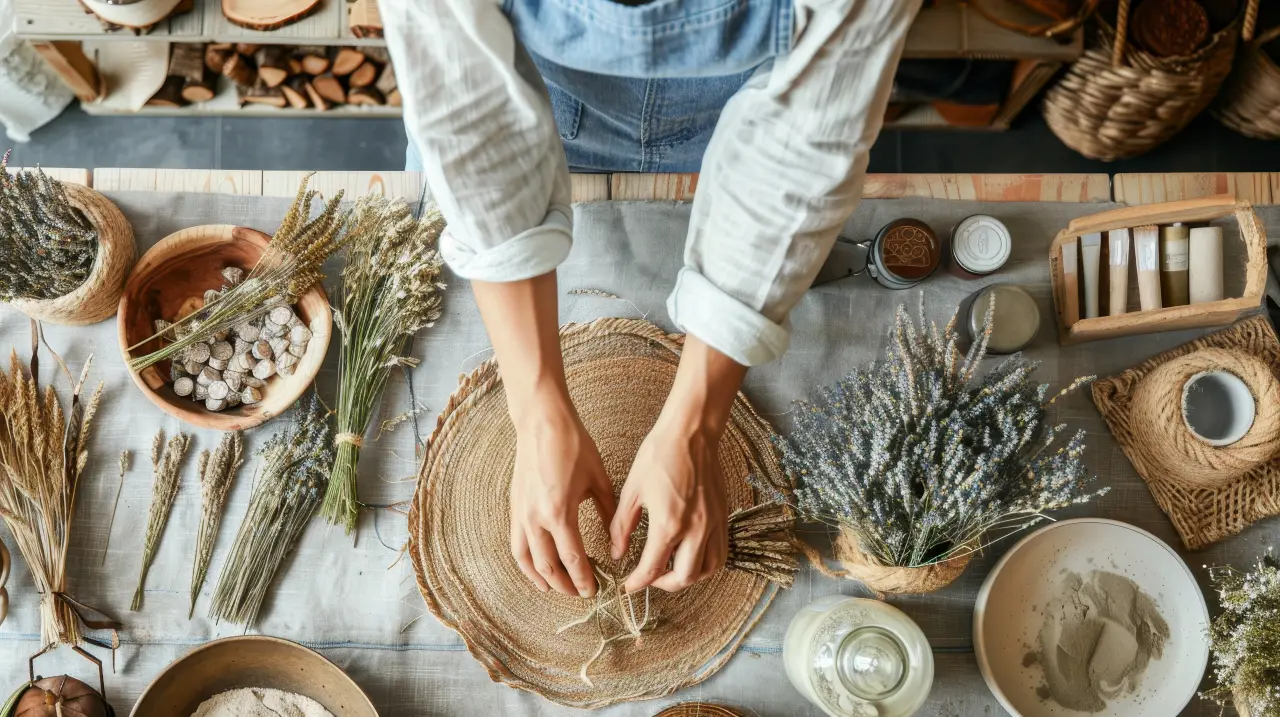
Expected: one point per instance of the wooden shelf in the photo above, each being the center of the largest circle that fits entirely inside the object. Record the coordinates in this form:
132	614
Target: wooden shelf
226	103
951	29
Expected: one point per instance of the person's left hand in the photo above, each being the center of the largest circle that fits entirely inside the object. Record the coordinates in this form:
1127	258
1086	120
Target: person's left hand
676	476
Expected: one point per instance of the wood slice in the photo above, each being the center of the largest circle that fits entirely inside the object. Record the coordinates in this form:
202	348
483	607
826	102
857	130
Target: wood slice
364	19
216	56
295	92
169	95
314	59
240	70
346	60
365	96
386	83
393	99
262	94
317	100
363	76
273	65
267	14
330	88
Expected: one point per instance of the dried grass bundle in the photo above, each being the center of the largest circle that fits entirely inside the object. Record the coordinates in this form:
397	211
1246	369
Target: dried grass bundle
217	473
47	246
392	290
166	463
1245	638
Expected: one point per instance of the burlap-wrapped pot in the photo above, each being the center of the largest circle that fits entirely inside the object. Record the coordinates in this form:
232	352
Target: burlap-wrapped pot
1250	101
885	579
97	297
1120	101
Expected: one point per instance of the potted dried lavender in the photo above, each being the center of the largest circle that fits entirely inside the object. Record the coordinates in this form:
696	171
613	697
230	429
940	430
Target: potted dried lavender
1245	639
66	249
918	461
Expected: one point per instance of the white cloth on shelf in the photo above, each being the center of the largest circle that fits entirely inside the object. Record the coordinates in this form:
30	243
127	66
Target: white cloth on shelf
31	93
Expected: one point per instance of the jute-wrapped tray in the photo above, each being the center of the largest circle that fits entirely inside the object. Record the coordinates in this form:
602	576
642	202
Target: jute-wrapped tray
619	373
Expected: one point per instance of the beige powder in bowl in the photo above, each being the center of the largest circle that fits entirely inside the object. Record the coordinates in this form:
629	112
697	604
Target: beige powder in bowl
260	702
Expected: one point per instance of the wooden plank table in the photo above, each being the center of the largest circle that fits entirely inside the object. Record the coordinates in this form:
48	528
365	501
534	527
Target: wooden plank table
1148	187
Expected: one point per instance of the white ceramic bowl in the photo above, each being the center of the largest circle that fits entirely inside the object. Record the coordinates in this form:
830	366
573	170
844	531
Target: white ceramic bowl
1009	613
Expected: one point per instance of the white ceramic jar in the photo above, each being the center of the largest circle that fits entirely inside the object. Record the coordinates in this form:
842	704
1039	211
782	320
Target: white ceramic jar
858	658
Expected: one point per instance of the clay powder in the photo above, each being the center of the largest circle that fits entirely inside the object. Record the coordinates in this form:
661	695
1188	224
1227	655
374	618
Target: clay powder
256	702
1098	637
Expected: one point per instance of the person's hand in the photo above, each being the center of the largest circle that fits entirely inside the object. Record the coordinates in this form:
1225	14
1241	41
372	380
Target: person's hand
557	467
676	477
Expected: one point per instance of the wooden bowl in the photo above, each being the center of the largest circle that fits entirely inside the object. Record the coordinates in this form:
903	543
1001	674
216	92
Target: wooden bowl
251	661
170	280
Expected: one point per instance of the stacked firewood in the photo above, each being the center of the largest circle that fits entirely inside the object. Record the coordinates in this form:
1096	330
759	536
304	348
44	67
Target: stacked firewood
297	76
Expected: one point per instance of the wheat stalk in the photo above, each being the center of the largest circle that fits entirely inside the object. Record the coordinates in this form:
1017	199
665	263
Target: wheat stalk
217	473
166	462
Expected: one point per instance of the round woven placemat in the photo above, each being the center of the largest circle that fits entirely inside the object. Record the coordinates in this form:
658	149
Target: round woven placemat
619	373
697	709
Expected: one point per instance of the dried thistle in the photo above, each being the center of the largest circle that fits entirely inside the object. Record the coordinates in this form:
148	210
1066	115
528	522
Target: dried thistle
288	268
115	505
392	290
217	473
47	246
166	464
1245	638
920	457
296	465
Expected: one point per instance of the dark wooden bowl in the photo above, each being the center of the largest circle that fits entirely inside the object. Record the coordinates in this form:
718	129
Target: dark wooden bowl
170	281
251	661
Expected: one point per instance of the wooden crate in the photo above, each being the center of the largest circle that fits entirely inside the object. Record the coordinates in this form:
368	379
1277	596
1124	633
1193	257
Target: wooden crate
1215	313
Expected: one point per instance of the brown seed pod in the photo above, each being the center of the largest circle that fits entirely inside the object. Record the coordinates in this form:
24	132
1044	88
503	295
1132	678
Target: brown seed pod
62	697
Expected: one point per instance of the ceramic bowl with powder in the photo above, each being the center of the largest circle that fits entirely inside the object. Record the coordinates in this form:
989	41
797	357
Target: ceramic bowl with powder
1091	616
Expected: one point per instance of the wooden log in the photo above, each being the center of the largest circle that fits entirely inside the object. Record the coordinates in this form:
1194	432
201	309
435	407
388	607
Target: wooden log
216	55
393	99
317	100
365	96
376	54
187	61
240	70
262	94
330	88
267	14
386	83
295	66
314	59
273	65
363	76
295	92
247	48
169	94
364	19
346	60
74	67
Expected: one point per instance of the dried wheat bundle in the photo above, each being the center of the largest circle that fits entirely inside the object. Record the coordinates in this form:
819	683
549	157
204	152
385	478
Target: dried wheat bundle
43	454
47	246
166	463
288	268
217	473
392	290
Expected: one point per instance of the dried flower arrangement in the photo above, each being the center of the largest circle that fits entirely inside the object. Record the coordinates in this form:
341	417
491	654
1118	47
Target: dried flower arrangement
166	464
1245	638
48	245
288	491
217	473
920	459
289	266
392	290
43	455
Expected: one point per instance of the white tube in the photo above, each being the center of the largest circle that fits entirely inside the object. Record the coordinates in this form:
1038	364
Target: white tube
1146	250
1206	265
1090	254
1118	253
1070	283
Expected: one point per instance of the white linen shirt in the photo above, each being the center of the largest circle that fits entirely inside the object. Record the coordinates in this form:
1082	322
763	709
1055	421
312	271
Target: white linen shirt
782	173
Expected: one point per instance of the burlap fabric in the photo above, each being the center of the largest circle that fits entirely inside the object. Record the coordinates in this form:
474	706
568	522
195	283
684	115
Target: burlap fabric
619	373
1209	493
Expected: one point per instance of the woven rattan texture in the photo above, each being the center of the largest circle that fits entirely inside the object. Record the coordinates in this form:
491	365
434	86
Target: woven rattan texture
1250	100
1142	408
619	373
697	709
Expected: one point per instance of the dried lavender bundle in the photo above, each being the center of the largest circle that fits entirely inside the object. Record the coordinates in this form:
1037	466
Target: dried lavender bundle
166	463
47	246
296	465
217	473
1245	638
920	457
288	268
392	290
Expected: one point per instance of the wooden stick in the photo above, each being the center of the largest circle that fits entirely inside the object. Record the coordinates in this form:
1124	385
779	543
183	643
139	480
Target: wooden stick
346	60
330	88
365	96
267	14
363	76
317	100
273	65
295	91
240	70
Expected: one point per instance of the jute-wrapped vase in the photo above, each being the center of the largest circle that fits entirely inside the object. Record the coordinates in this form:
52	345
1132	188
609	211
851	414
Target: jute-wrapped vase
96	299
886	579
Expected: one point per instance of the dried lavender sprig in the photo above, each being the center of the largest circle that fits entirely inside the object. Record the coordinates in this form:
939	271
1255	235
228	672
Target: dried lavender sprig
392	290
47	246
167	466
218	472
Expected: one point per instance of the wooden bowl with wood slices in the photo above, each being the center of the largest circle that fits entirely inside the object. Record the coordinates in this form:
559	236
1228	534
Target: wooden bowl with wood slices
173	280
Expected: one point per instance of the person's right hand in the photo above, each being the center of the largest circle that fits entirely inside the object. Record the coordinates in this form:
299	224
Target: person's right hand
557	467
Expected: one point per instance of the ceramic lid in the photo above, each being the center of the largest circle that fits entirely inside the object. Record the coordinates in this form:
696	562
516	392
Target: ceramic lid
908	249
981	244
1015	323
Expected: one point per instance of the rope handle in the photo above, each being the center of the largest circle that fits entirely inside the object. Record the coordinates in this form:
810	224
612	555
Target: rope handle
1250	19
1122	28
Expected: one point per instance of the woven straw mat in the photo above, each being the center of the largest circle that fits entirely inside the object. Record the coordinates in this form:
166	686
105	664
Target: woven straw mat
1202	510
619	373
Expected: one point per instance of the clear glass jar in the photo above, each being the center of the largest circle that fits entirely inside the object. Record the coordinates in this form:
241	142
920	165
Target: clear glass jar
858	658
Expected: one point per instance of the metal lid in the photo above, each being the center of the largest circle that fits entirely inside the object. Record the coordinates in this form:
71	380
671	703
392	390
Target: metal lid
981	244
907	249
1016	320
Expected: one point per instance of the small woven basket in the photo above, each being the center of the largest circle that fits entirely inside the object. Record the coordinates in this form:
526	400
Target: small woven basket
1250	101
97	298
885	579
1120	101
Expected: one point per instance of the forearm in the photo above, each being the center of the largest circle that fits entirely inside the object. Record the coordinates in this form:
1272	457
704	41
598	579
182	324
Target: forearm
702	397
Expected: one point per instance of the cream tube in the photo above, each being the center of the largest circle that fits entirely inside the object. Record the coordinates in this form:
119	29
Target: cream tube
1118	253
1205	272
1070	284
1090	255
1146	251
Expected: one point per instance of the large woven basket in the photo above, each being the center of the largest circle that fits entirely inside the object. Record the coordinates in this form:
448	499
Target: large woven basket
1250	101
1120	101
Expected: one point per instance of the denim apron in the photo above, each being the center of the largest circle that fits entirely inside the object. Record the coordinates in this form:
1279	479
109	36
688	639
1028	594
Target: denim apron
638	88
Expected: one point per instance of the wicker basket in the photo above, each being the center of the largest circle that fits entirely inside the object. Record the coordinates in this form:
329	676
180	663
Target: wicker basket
1119	101
1250	101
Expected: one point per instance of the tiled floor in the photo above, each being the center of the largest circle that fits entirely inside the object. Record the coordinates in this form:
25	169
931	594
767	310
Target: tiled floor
78	140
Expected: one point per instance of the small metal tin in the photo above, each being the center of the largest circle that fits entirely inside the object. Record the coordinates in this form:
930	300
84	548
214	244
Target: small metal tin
980	245
904	253
1014	325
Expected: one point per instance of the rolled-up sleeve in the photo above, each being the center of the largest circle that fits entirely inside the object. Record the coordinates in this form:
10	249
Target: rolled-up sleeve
478	112
782	174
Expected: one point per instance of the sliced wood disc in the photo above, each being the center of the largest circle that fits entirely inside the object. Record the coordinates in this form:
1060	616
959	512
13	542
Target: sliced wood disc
267	14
